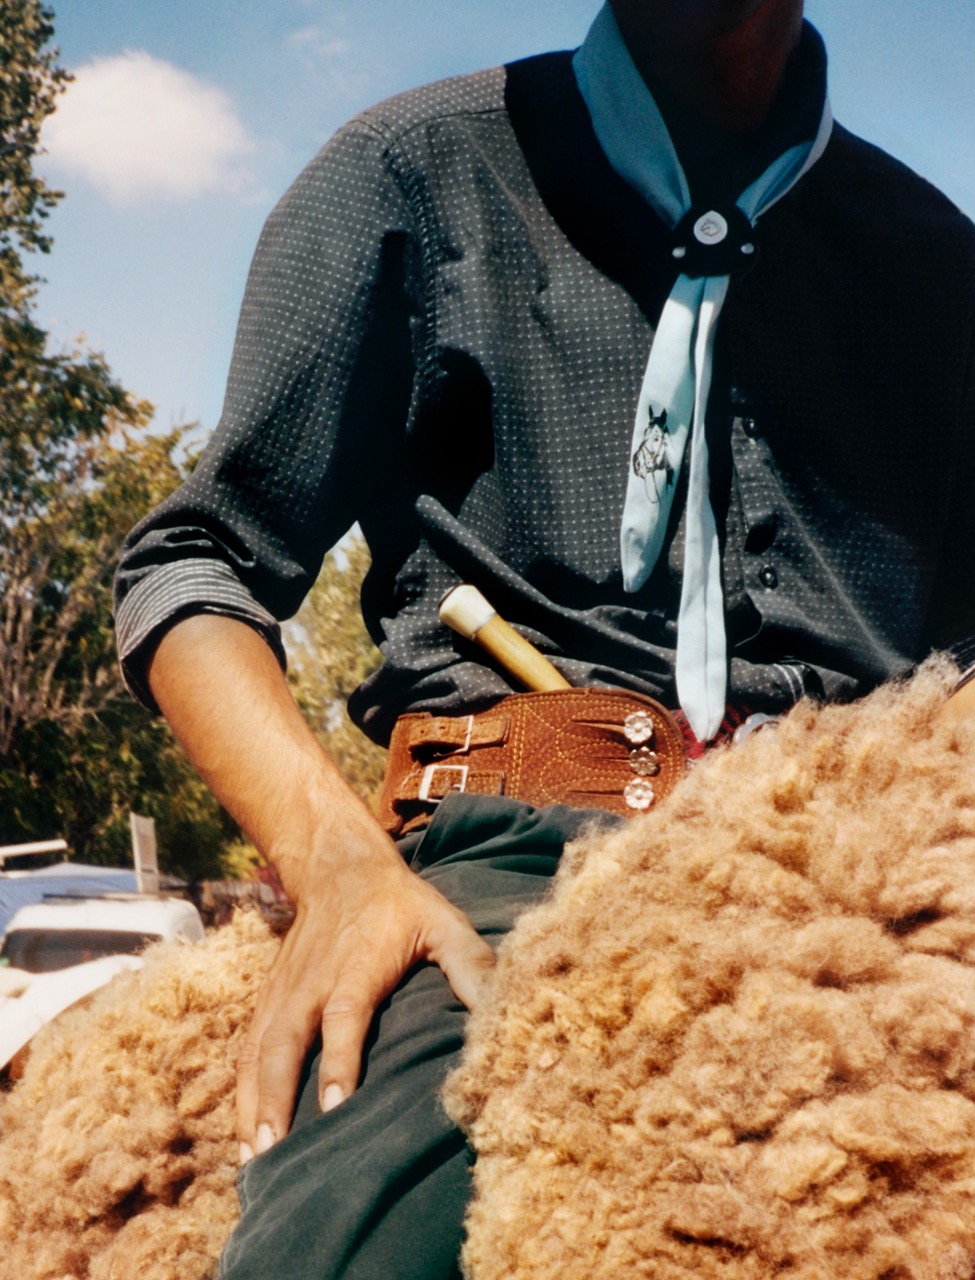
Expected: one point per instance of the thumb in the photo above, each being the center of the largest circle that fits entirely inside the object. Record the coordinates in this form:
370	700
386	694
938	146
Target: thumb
466	960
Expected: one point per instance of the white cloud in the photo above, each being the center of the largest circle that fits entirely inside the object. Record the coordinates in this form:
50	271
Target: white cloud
141	129
319	42
325	50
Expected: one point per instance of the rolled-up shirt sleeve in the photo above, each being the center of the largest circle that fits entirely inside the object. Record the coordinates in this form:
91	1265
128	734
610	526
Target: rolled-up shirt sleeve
176	591
321	376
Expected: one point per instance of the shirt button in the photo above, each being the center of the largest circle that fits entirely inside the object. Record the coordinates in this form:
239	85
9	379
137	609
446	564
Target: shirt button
750	427
768	577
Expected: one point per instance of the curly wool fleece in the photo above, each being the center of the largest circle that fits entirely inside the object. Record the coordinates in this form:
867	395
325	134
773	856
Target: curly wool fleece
739	1039
117	1147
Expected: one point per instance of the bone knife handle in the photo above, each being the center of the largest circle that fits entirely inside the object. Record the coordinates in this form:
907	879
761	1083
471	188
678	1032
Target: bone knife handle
468	613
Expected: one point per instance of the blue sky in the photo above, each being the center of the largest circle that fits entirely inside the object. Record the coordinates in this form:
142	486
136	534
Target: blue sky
189	117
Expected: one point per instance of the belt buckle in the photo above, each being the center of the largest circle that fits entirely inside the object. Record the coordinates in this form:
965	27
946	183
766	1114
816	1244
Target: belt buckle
426	781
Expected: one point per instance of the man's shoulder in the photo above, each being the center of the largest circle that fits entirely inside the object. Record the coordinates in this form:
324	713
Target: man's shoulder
476	94
877	187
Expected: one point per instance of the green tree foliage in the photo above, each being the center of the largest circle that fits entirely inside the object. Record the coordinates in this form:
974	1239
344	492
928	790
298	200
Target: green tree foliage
30	81
76	752
330	654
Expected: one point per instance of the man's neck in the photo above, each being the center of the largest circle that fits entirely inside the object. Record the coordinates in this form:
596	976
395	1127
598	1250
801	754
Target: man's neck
729	75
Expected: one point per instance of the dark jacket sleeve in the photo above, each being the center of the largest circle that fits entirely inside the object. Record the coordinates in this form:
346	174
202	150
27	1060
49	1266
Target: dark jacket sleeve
320	376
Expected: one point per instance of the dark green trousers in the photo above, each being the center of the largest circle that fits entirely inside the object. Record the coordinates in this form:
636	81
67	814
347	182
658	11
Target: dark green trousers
376	1189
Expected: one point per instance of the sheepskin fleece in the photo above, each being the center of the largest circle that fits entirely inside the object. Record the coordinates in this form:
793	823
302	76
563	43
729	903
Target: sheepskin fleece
738	1040
117	1148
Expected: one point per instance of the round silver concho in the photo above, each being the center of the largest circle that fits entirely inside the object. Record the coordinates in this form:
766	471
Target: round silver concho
638	728
639	794
644	762
711	228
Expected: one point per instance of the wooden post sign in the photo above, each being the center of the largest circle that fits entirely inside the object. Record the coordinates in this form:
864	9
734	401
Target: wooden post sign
144	853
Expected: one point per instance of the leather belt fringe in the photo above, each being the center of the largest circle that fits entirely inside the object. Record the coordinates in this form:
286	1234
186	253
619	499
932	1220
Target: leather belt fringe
590	748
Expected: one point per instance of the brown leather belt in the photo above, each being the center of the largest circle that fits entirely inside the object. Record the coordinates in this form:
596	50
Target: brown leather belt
591	748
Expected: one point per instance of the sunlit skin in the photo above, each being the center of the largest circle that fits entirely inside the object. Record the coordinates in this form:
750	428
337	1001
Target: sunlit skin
723	58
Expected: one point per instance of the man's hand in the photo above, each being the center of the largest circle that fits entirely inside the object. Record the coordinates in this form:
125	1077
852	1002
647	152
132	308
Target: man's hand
341	958
363	919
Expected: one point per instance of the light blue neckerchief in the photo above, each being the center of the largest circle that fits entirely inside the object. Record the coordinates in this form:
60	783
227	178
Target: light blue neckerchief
673	398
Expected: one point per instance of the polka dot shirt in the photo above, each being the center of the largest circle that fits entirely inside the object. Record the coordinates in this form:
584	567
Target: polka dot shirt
443	339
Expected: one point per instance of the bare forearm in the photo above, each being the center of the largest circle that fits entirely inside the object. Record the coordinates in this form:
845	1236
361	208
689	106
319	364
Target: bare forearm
222	691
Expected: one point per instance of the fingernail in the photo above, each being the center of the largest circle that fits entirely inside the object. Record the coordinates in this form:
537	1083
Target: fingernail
332	1096
246	1152
264	1140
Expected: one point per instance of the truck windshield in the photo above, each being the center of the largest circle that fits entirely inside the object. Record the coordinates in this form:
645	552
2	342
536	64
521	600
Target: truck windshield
45	950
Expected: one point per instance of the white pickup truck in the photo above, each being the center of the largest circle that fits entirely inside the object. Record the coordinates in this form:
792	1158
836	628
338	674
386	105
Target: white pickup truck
58	951
67	929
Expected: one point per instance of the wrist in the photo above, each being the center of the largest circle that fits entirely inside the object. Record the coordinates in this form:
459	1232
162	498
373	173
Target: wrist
341	838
